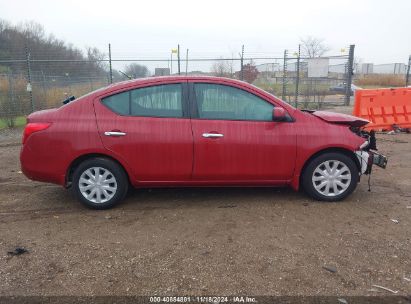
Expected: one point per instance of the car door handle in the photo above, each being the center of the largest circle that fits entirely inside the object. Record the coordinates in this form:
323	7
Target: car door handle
114	133
212	135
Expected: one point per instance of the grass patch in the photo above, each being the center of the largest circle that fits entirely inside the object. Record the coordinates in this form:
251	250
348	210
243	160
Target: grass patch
277	88
19	122
380	80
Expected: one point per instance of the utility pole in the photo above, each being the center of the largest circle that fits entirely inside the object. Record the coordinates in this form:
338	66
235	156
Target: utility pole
407	76
109	61
284	94
350	72
242	63
297	80
178	58
29	87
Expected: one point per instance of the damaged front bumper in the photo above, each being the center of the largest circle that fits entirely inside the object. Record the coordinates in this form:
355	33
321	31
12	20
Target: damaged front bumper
366	154
369	158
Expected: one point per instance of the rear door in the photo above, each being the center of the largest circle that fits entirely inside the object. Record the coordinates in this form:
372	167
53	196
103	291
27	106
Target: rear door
235	138
149	128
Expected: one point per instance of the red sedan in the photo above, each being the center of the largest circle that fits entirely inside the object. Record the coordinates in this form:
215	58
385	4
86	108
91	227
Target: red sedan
193	131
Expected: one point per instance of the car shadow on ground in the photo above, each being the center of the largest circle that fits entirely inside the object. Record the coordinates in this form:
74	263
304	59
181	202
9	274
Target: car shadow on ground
46	198
207	197
220	197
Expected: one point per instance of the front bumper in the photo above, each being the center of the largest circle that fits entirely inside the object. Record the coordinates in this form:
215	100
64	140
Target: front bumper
369	158
379	160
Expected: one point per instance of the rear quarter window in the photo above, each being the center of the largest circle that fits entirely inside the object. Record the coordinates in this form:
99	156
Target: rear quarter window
118	103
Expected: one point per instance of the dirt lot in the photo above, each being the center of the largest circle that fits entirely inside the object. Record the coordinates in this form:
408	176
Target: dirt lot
208	241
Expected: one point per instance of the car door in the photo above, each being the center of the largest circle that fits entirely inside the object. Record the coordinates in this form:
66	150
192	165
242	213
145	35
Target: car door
235	138
148	127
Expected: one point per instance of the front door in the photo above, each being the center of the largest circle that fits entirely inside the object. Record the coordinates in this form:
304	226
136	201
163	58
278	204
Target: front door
235	138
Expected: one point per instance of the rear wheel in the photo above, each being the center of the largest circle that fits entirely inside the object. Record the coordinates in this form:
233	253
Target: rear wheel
330	177
99	183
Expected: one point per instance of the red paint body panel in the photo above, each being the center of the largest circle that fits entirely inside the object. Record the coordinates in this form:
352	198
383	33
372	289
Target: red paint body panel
156	149
315	135
47	155
173	152
249	150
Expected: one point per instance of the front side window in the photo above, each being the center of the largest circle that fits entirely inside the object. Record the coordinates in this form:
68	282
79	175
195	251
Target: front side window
229	103
155	101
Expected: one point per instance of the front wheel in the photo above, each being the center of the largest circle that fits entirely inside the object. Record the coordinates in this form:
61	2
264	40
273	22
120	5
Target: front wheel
99	183
330	177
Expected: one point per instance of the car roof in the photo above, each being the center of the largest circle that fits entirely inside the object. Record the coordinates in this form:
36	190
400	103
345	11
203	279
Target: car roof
175	78
157	80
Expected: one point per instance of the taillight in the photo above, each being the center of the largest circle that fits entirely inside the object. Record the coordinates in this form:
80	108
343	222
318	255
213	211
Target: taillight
34	127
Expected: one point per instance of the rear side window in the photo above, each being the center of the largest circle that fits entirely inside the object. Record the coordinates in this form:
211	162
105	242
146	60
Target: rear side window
155	101
229	103
161	101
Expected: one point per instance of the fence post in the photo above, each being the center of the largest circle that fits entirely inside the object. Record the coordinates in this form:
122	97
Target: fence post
350	72
407	76
109	61
242	63
178	58
297	80
171	63
285	75
186	61
11	107
29	87
44	88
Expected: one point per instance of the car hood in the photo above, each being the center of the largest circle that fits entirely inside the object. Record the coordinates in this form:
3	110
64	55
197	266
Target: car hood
338	118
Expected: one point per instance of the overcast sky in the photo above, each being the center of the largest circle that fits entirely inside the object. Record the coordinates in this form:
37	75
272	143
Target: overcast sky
380	29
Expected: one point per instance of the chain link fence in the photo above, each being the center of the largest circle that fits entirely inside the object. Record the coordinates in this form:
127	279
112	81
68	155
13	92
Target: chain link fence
29	84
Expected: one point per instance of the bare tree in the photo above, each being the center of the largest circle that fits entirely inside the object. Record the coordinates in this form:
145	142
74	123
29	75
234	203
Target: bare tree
313	47
3	25
136	70
96	58
32	31
14	39
222	68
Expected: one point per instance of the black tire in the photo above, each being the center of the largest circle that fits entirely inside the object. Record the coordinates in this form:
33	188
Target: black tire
308	183
106	165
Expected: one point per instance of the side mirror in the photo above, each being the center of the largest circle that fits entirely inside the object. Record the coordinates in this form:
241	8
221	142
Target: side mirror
279	114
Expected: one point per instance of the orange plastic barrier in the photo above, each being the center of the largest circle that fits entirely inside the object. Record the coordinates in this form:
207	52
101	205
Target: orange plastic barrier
384	108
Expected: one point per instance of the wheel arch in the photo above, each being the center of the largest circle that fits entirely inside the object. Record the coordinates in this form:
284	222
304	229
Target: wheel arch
77	161
297	181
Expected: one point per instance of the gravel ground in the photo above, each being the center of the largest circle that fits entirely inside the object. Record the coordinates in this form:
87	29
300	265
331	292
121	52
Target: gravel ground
10	136
255	241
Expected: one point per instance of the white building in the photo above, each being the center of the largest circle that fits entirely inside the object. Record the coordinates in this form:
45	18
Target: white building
390	68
